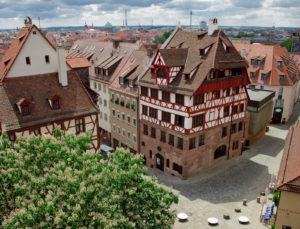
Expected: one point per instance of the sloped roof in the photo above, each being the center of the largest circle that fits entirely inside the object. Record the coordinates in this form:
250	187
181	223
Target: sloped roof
78	62
16	46
272	54
174	57
289	172
37	89
215	58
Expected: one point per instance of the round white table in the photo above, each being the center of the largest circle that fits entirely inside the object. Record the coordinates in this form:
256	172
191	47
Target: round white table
243	219
182	216
212	221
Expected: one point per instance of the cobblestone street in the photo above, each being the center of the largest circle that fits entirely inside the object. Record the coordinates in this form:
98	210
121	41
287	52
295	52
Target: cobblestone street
222	188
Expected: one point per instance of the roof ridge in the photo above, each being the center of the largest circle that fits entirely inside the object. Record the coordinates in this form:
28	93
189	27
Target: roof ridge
217	43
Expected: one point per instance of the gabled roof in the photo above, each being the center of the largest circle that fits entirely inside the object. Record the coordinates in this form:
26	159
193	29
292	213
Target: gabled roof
37	89
15	48
289	172
174	56
78	62
215	58
271	55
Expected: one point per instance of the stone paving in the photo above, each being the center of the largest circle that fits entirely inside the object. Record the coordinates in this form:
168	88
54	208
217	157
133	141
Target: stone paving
222	188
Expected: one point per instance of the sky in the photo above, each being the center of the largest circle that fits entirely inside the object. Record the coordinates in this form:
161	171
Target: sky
143	12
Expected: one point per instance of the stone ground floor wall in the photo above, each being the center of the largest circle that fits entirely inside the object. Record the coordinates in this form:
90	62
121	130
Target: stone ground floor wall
170	159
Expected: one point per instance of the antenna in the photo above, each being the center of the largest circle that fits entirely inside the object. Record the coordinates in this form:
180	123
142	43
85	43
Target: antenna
39	22
191	15
126	18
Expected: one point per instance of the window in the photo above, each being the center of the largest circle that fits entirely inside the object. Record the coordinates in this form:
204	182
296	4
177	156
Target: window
47	59
118	114
252	61
121	80
216	94
236	90
100	114
179	99
152	112
123	132
166	96
198	121
227	91
99	89
235	109
279	64
241	107
171	139
104	88
201	140
192	143
224	131
99	101
161	72
235	145
55	104
36	132
25	110
233	128
134	138
258	62
12	137
154	93
281	78
128	135
198	99
28	60
105	102
128	119
168	163
79	125
134	121
179	120
180	143
263	76
240	126
177	168
95	85
280	92
251	74
226	111
202	52
153	132
144	91
113	112
34	32
286	227
145	130
163	136
105	117
145	110
150	153
166	116
227	49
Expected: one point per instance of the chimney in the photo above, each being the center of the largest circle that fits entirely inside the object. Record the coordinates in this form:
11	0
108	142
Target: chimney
116	43
28	22
62	67
212	25
243	53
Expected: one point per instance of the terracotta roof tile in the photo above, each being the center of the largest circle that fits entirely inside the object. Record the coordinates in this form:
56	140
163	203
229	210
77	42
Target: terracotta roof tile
78	62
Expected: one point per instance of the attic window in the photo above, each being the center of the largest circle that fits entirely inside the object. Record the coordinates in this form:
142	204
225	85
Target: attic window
47	59
279	64
200	36
186	76
34	32
152	69
54	102
227	49
121	80
202	52
131	83
25	109
252	61
24	106
27	60
258	62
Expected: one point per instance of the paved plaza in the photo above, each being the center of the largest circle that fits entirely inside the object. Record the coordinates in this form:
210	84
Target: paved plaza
222	188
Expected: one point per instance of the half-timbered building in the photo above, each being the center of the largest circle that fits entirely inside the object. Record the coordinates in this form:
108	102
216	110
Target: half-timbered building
39	91
193	102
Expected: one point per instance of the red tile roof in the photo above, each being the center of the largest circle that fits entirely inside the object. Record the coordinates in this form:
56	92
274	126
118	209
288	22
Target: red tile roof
270	55
16	46
289	172
78	62
37	89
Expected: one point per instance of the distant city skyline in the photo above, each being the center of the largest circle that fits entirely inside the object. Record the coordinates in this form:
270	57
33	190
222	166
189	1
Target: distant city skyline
143	12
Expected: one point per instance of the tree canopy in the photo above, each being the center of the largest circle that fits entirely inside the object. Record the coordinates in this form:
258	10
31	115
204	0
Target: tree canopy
287	43
162	38
55	182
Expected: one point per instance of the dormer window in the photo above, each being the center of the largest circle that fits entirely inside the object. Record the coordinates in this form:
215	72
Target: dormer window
23	106
227	49
258	62
202	52
121	80
162	73
186	76
130	83
54	102
263	76
252	61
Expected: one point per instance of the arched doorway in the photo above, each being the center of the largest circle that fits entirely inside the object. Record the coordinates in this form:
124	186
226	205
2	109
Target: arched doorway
160	162
220	151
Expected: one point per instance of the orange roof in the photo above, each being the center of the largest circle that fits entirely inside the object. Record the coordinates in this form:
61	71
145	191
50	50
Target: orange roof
15	48
268	65
289	172
78	62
